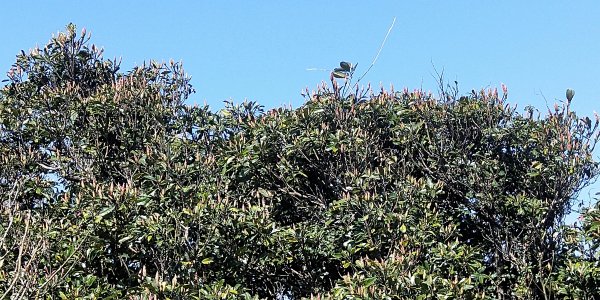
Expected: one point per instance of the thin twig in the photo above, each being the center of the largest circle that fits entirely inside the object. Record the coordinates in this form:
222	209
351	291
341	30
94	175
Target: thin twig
378	52
61	267
19	257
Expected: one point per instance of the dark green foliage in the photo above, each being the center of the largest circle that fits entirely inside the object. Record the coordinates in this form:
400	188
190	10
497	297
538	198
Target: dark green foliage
113	188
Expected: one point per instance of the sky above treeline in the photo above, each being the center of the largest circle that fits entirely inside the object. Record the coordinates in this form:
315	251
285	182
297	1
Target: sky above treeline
266	51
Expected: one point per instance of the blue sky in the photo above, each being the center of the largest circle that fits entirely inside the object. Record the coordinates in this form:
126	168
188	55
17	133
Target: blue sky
261	50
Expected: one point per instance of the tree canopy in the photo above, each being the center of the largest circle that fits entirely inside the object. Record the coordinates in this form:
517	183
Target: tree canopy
112	187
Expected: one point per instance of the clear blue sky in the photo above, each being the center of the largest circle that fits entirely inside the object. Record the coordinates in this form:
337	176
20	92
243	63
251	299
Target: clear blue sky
260	50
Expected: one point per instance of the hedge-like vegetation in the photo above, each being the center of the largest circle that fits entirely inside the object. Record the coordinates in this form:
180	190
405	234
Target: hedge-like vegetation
112	188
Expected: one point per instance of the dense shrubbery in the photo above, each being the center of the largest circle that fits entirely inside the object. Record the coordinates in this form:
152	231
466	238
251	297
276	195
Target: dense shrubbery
113	188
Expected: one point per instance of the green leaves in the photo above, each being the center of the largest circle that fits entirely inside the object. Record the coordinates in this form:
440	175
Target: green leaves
346	66
570	93
105	211
344	71
114	184
339	74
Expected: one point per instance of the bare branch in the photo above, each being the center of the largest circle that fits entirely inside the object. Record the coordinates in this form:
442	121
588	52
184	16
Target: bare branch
378	52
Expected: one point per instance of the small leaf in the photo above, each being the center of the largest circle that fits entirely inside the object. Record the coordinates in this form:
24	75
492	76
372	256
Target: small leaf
207	261
346	66
265	193
369	282
570	94
125	239
339	74
106	211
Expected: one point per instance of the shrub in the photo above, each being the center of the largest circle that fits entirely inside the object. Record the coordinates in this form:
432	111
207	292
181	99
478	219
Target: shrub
112	187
